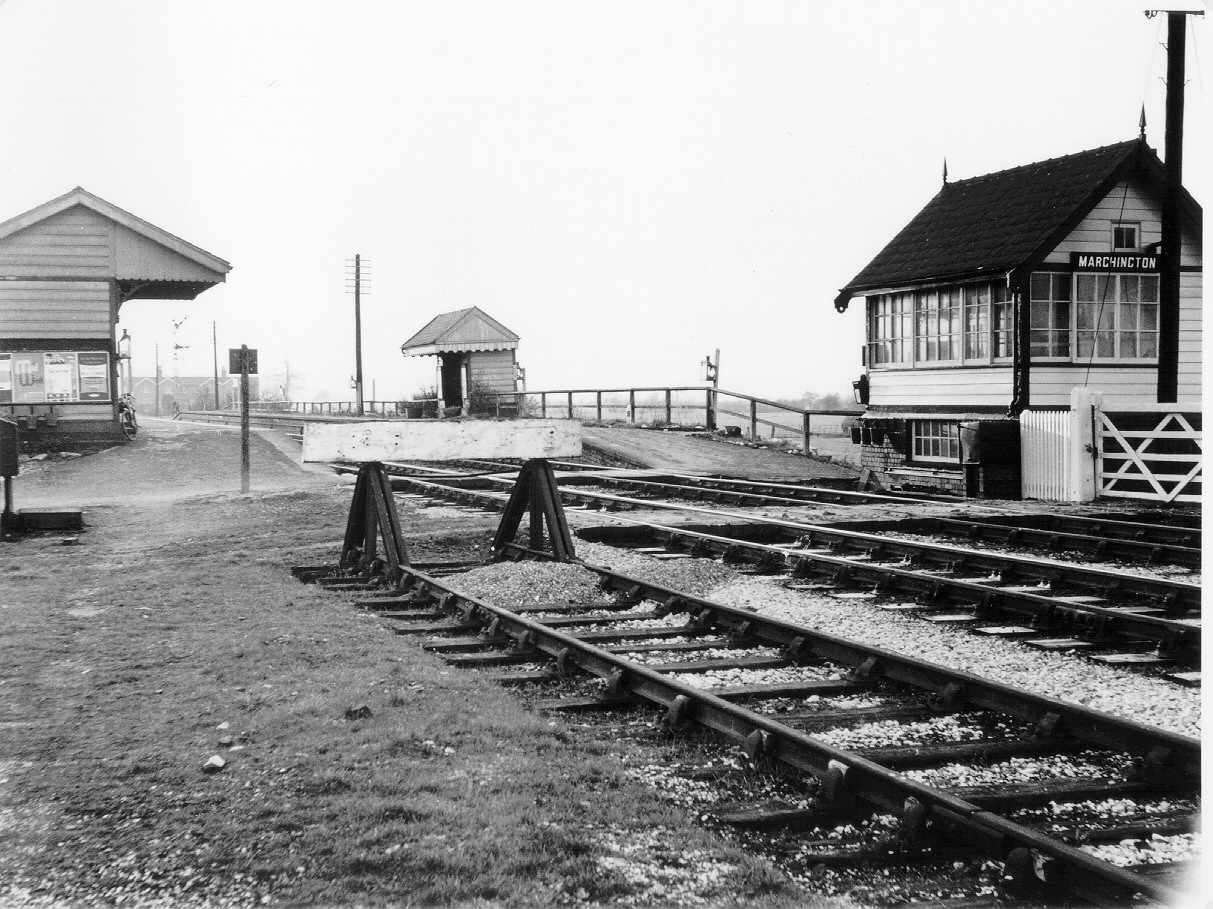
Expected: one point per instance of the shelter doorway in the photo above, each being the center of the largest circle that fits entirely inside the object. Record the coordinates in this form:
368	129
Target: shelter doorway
452	380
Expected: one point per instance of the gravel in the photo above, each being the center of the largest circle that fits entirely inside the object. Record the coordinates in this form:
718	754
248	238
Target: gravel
1180	847
894	734
1087	765
510	584
1112	690
695	576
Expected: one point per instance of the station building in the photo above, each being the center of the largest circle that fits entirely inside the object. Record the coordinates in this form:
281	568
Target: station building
66	268
476	359
1005	293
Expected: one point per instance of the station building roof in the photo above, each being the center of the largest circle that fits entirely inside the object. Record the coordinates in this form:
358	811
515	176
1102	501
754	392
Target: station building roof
994	223
79	234
462	331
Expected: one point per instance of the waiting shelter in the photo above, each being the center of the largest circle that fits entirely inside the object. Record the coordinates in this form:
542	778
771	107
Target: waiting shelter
476	360
66	268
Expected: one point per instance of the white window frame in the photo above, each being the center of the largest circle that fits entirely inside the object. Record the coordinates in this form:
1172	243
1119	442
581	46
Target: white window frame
1071	311
1114	302
1136	225
930	430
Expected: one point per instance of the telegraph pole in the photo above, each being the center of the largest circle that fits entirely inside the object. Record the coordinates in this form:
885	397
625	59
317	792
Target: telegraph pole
157	379
1168	310
215	358
355	283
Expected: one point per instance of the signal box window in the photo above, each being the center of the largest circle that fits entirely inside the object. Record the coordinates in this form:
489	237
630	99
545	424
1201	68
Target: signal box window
1124	236
936	441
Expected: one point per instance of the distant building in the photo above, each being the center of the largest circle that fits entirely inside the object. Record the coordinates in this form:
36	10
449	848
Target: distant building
66	268
475	355
188	393
1006	292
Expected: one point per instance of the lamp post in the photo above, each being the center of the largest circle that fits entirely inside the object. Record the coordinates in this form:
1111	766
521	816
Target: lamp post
124	357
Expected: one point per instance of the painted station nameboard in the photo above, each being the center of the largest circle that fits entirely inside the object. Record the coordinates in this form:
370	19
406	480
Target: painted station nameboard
54	377
1113	262
441	440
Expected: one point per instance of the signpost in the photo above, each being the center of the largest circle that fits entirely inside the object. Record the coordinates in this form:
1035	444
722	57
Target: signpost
243	361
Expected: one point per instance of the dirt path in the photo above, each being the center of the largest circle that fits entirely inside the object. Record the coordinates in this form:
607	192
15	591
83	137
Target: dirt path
170	630
676	451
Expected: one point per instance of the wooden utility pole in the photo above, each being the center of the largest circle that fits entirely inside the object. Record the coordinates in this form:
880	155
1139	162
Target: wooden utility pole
1168	310
358	332
215	360
157	379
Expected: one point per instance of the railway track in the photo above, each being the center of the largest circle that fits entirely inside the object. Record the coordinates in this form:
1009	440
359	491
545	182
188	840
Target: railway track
1116	617
652	646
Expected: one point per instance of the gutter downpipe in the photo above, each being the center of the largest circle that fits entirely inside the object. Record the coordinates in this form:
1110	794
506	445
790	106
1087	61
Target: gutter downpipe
1021	362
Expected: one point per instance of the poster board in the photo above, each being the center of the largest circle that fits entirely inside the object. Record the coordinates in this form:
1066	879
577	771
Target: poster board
54	377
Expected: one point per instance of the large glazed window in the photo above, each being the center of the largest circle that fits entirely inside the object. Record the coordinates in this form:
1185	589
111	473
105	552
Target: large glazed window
890	328
1050	315
1116	317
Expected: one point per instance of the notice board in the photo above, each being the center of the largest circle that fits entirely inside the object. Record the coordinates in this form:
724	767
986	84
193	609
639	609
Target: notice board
54	377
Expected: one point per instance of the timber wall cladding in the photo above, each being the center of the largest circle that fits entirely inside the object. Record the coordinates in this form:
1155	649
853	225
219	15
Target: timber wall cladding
54	309
989	385
494	369
76	243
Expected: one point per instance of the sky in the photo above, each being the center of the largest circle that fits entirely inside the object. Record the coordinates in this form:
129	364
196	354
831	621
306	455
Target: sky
626	185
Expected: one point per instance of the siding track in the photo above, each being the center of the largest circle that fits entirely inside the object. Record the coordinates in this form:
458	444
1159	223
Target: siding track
642	653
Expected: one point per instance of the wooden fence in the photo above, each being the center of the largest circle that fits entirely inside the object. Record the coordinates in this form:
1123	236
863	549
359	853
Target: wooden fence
1044	442
695	405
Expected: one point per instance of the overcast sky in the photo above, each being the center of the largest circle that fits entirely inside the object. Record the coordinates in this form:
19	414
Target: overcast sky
626	185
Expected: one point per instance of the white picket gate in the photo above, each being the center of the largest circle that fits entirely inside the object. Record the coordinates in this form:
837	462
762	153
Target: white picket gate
1141	451
1150	451
1044	441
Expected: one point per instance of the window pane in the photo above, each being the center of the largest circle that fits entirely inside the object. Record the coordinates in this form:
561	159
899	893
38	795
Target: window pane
1149	316
1148	345
1149	288
1086	315
1128	344
1061	287
1040	344
1128	315
1105	344
1086	288
1130	288
1040	315
1040	286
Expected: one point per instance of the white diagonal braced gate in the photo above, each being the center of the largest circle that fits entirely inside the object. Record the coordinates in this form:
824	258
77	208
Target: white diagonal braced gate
1150	452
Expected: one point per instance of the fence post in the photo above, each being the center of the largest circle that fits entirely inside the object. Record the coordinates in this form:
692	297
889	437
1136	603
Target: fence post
599	405
570	405
805	433
543	403
753	420
669	408
1085	456
631	405
709	418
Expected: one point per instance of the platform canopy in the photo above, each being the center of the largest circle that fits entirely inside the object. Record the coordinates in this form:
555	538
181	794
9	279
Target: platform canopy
81	235
461	331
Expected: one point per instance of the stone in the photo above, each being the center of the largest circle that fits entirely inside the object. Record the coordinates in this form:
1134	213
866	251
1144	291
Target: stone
226	740
361	712
214	764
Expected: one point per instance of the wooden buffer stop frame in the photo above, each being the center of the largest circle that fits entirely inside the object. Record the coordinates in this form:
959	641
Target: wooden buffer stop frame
374	541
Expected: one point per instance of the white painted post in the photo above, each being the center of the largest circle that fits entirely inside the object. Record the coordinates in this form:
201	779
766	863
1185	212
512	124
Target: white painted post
1083	482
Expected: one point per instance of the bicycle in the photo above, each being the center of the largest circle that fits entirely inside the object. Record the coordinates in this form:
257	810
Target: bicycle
126	416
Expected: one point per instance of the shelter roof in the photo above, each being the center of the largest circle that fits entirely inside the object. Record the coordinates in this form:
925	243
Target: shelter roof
1001	221
148	260
463	330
